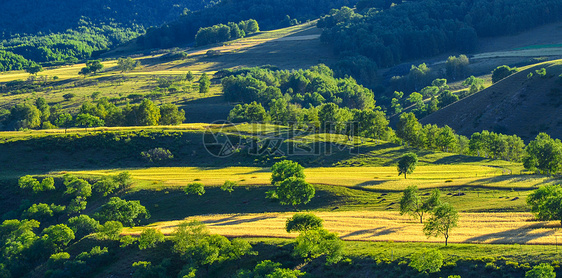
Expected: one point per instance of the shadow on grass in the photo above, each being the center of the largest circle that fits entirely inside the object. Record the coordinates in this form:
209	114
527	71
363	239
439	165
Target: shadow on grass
174	204
372	232
455	159
520	235
516	179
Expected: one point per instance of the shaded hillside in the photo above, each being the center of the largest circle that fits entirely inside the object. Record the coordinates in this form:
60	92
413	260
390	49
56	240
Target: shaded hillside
518	104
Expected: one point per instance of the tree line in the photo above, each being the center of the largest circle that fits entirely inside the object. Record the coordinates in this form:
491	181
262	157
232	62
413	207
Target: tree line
70	31
271	14
415	29
92	114
222	33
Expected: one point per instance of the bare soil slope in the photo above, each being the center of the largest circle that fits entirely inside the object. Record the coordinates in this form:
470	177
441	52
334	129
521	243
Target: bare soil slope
515	105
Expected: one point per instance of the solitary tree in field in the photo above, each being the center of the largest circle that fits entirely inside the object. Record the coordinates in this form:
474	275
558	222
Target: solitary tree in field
228	186
546	202
127	64
204	84
286	169
412	204
303	222
34	69
194	188
294	191
407	164
189	76
445	217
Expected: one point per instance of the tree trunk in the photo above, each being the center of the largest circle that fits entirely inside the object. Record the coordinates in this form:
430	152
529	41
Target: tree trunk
405	175
446	239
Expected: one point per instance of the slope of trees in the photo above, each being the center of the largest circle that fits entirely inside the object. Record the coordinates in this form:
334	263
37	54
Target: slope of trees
416	29
314	86
70	30
230	31
99	113
270	14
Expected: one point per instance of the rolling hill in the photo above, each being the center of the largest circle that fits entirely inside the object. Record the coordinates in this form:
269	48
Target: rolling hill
519	104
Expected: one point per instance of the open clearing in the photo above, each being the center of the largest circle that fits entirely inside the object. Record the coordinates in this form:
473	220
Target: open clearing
383	178
497	228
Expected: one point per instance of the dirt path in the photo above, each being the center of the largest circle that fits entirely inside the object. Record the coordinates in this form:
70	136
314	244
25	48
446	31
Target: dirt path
499	228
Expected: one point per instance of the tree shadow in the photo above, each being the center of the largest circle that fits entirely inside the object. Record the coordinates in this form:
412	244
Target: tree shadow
372	232
370	183
235	222
519	235
455	159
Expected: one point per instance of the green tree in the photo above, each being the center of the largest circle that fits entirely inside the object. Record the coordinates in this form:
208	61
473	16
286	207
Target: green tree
170	115
457	67
285	169
148	113
444	218
204	84
150	238
127	64
409	130
57	236
255	113
34	69
25	115
427	260
28	182
77	187
64	120
189	76
407	164
502	72
543	154
129	213
68	96
195	244
300	222
83	225
541	271
316	242
294	191
87	120
94	66
110	230
412	204
546	202
194	188
228	186
106	185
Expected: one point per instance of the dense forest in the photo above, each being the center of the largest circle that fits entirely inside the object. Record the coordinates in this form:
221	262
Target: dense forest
270	14
41	32
391	34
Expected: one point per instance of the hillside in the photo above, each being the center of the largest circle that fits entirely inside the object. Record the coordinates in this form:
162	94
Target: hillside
515	105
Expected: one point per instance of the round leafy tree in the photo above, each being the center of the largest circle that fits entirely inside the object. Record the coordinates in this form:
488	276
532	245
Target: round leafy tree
407	164
295	191
286	169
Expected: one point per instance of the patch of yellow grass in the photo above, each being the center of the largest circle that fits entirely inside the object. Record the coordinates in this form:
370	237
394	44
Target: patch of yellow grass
504	228
385	178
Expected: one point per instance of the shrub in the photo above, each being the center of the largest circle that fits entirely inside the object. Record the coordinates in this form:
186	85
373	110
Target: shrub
157	155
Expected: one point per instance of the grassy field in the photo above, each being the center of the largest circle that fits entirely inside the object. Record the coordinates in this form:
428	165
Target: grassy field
360	203
277	48
497	228
381	178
